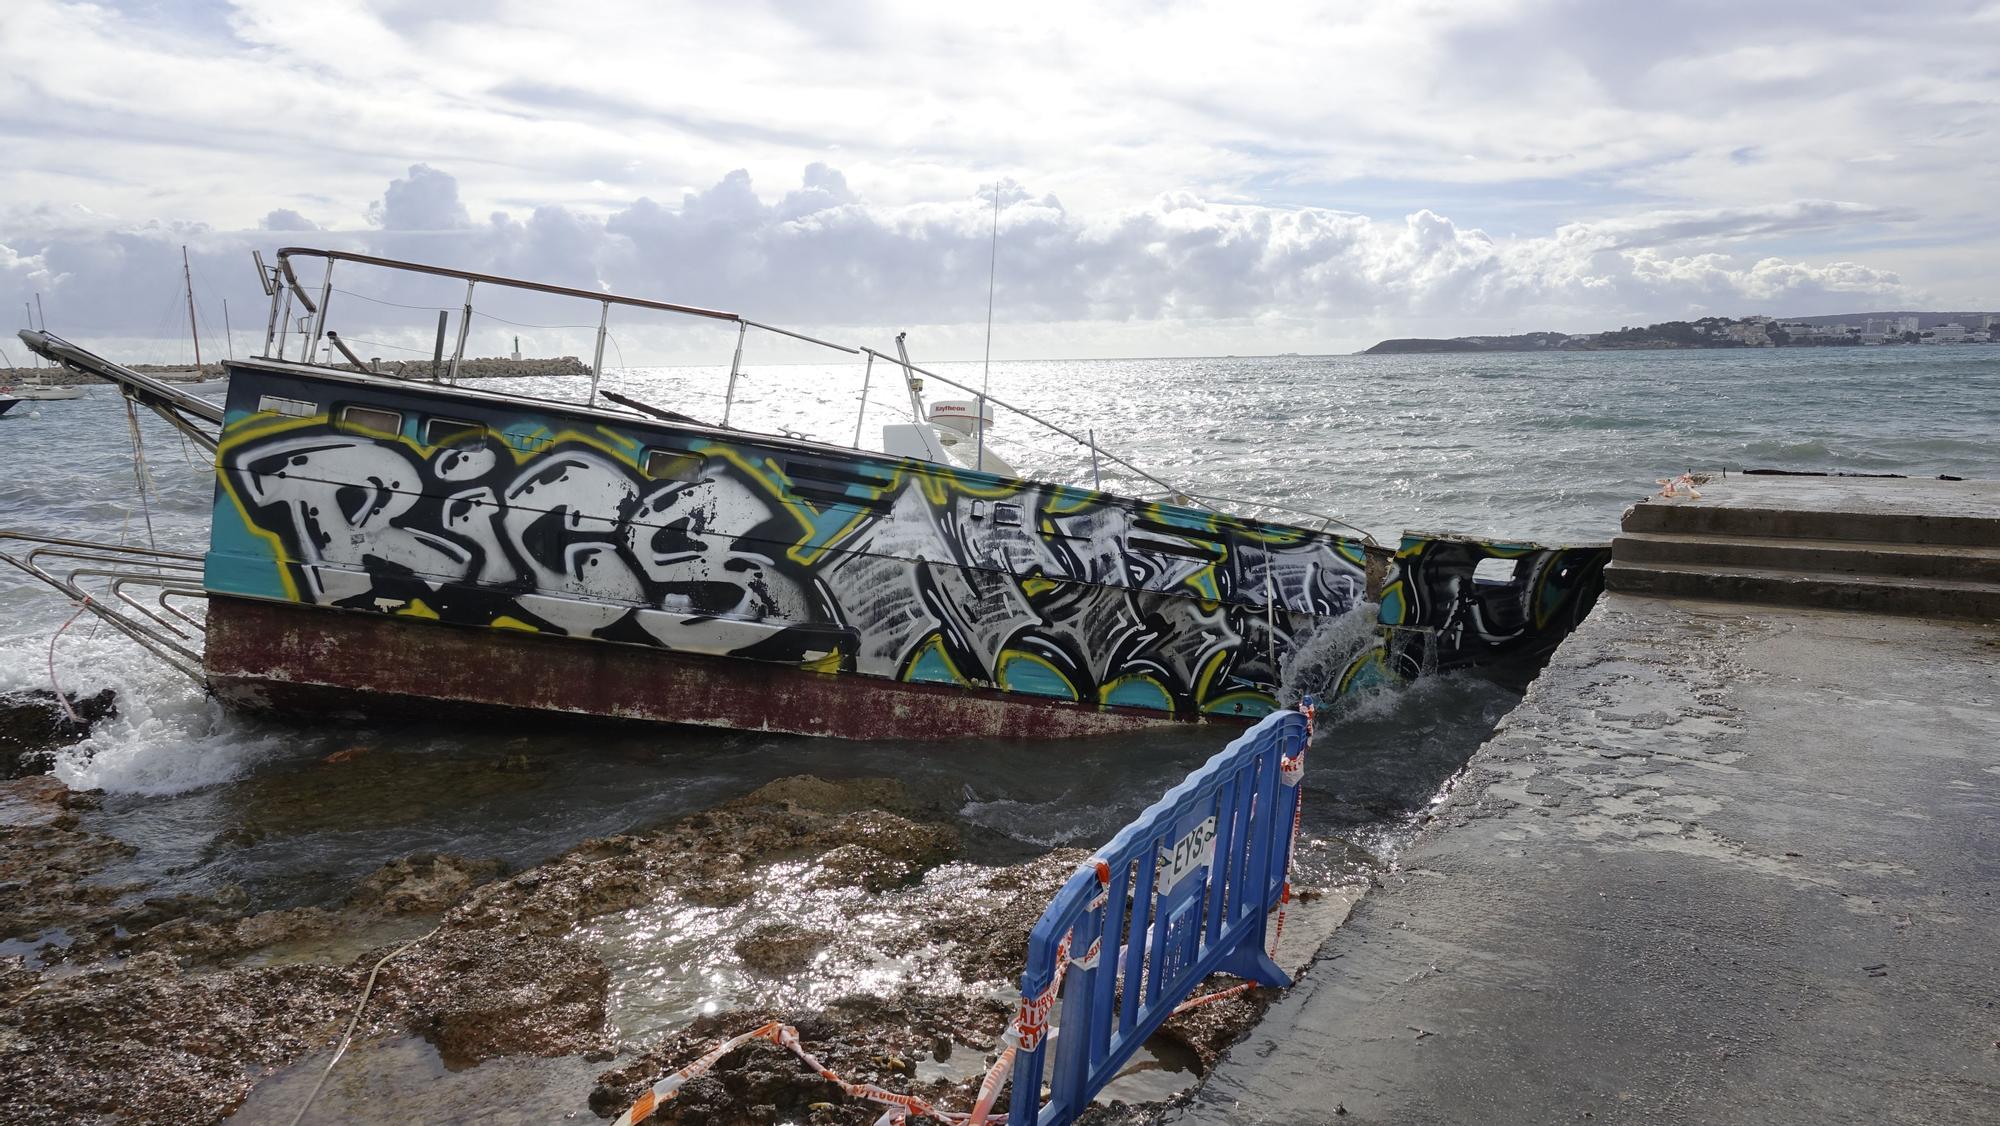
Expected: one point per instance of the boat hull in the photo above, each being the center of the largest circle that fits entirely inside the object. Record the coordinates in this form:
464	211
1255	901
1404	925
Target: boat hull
344	497
275	657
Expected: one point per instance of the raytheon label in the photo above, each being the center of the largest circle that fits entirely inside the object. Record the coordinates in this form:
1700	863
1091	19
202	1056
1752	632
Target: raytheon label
1189	853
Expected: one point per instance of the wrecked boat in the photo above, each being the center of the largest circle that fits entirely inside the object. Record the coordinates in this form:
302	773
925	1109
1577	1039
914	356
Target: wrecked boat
381	543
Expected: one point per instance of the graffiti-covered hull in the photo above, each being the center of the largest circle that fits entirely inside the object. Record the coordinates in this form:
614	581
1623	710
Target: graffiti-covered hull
409	542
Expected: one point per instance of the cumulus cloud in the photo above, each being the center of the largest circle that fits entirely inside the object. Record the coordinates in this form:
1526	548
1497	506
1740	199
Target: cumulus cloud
285	219
424	200
822	255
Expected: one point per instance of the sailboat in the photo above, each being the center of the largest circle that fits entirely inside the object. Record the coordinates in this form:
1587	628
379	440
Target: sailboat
390	544
40	388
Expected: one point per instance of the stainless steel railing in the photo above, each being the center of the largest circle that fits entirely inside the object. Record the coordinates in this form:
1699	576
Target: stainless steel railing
282	284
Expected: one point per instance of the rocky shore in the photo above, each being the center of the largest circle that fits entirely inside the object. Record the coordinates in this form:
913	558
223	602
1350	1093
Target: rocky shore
120	1004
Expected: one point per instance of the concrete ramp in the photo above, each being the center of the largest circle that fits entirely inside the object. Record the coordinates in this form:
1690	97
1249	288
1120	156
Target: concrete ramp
1916	547
1723	865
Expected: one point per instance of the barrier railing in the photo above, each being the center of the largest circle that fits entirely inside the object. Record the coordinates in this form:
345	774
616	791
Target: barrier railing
1187	888
1183	892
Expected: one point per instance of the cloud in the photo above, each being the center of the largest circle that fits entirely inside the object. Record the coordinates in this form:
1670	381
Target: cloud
285	219
425	200
823	256
1654	228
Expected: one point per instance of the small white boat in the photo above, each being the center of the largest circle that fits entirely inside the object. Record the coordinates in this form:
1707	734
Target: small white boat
47	391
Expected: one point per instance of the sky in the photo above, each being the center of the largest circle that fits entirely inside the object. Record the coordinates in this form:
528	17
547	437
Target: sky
1173	178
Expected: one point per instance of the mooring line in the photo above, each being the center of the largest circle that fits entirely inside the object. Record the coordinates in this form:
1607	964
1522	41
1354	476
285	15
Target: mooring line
347	1037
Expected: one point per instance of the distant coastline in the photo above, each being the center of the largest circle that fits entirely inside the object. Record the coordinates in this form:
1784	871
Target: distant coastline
1847	330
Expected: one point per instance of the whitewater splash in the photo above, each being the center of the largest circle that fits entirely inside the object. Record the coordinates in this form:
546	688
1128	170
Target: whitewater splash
167	735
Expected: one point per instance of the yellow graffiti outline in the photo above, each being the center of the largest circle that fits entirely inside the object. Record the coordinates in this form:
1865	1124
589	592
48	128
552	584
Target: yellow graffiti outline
1007	656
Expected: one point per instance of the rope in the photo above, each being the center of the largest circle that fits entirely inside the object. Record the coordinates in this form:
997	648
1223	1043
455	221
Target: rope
140	473
60	697
347	1037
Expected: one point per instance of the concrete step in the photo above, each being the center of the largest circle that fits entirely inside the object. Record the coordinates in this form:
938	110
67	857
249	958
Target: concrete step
1773	586
1867	557
1697	518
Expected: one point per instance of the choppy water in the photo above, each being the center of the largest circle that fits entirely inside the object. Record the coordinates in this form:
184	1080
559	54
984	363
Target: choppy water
1526	446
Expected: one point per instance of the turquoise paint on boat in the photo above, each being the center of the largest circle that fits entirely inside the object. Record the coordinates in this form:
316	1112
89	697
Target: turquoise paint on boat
1020	673
1133	692
930	667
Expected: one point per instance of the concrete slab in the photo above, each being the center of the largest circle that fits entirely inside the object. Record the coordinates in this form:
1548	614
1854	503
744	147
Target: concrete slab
1717	867
1900	510
1925	496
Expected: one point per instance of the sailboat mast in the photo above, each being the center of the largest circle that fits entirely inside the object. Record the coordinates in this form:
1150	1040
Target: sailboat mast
187	275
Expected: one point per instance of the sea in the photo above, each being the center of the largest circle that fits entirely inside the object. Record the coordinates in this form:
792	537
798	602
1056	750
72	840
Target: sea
1548	447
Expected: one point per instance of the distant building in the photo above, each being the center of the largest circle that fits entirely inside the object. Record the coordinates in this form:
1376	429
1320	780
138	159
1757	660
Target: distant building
1906	324
1751	331
1953	333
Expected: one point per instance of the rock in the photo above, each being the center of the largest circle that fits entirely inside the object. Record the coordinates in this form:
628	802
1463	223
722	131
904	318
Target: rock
818	795
482	994
47	863
423	882
856	865
918	844
778	949
141	1040
863	1039
33	725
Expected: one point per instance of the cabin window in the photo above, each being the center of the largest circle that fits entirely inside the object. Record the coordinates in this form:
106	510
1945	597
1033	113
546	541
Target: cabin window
1007	515
673	465
372	420
1494	571
290	408
450	431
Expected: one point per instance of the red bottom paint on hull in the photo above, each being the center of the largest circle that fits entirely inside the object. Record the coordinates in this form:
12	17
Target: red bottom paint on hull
272	656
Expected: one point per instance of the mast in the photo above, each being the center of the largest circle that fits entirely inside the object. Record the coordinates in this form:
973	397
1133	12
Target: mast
187	274
986	370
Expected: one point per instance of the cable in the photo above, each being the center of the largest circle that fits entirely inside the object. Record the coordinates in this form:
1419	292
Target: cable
391	304
524	324
347	1037
60	698
139	472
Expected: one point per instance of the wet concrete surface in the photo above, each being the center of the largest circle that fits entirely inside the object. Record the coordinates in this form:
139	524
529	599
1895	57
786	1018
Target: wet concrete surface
1721	865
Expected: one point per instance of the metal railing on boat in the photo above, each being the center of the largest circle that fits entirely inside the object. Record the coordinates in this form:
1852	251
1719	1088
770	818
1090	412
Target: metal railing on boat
285	289
102	579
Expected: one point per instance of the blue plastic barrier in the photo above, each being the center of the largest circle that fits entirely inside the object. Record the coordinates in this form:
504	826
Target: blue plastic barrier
1183	892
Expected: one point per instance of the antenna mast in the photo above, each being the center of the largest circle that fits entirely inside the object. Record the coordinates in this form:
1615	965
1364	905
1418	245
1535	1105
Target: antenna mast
986	371
187	275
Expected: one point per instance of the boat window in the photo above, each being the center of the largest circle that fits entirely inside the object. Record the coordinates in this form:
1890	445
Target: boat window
291	408
451	431
1494	571
372	420
673	465
1007	515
